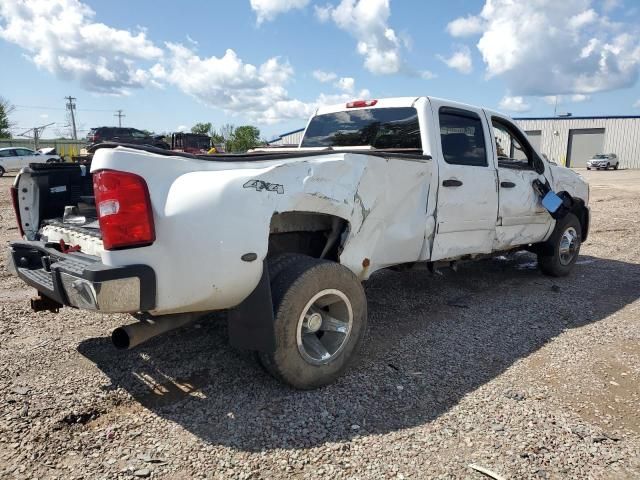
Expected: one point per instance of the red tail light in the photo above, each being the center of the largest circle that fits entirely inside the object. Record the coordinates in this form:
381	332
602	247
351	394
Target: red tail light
361	103
16	209
124	210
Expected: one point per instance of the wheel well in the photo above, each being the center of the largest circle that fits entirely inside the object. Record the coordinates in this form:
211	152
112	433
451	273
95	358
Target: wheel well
315	234
579	209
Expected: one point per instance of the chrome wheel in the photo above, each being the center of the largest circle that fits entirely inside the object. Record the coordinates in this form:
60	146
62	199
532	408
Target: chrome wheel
568	248
324	326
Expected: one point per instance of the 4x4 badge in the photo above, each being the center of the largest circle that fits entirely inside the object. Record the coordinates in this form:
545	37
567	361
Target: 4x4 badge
259	186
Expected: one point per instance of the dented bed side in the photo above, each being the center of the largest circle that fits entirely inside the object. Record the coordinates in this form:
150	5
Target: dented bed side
229	206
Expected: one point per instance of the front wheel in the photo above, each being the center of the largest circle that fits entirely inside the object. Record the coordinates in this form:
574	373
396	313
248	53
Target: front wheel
615	167
2	171
559	253
320	321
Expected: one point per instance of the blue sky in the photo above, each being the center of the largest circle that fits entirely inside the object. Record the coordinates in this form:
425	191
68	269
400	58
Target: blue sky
271	62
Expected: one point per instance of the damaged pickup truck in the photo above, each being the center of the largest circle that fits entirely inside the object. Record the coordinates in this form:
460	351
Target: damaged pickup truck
282	240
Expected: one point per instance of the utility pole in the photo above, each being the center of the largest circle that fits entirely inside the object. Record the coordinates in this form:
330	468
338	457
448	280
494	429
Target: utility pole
71	106
555	105
119	115
37	132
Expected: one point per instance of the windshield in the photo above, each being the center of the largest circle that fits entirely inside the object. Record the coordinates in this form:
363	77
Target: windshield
600	156
380	128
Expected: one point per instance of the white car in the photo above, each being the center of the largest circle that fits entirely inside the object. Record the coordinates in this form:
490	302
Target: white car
282	239
14	158
603	160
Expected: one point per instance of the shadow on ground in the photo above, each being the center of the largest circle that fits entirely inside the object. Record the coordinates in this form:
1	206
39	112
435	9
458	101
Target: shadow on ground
436	337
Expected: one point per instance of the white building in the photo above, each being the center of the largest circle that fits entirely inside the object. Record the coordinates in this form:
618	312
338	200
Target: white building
572	141
288	139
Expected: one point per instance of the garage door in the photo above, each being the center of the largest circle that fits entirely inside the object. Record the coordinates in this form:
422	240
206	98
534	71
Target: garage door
583	144
535	138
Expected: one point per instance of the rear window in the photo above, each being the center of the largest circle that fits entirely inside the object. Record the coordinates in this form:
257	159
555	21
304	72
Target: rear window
376	127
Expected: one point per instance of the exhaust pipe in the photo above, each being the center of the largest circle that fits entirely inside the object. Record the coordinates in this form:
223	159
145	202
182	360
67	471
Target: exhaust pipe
129	336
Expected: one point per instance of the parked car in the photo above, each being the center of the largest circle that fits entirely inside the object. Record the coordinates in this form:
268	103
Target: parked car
14	158
603	160
125	135
283	239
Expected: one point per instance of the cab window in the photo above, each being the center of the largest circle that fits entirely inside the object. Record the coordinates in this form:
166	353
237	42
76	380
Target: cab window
462	137
512	149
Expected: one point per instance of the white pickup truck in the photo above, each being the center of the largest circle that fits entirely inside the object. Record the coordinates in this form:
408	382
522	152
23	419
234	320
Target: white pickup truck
282	240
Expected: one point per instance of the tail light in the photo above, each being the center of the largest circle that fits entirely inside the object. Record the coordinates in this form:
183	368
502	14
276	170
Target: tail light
124	209
361	103
16	209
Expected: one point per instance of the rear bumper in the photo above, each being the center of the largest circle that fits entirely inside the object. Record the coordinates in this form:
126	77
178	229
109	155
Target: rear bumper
83	281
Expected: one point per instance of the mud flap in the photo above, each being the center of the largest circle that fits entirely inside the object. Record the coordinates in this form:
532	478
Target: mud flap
251	324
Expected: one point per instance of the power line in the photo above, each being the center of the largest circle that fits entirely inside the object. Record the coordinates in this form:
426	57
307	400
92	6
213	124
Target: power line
71	106
37	132
119	114
42	107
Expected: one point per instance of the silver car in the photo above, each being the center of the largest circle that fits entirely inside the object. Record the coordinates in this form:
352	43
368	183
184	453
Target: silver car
14	158
603	160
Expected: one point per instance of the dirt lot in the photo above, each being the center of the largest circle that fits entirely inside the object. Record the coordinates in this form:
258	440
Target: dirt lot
494	365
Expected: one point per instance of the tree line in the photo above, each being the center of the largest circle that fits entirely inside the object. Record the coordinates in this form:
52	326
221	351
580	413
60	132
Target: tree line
230	137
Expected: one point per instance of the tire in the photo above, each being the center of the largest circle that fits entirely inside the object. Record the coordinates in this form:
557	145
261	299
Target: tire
615	167
308	353
558	255
588	168
607	167
2	171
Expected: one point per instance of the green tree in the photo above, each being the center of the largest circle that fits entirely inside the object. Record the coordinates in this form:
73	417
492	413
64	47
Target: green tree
202	128
5	110
244	138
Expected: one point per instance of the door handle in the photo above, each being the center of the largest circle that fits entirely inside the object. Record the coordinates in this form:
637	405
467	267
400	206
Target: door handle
507	184
451	183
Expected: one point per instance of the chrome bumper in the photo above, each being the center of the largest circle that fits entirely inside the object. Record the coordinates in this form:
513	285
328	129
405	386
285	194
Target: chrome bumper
83	281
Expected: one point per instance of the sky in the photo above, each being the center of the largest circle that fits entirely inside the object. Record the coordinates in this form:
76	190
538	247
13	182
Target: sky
270	63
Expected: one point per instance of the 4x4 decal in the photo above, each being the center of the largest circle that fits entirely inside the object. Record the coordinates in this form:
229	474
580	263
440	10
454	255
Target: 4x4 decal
259	186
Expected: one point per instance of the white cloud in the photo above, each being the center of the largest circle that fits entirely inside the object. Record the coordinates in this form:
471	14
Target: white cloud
44	115
465	26
226	82
428	75
637	104
191	40
514	104
267	10
548	47
62	38
346	84
578	98
324	77
609	5
181	128
367	21
460	60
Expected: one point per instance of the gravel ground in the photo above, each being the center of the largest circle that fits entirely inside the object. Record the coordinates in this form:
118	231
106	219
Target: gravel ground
494	365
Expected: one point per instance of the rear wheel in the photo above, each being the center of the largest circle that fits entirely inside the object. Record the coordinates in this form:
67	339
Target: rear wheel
559	253
320	321
2	171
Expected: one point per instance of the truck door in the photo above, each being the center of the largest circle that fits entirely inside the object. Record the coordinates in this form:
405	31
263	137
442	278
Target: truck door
467	205
521	217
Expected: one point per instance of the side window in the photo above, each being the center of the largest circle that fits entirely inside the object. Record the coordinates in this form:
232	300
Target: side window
462	137
23	152
7	153
512	149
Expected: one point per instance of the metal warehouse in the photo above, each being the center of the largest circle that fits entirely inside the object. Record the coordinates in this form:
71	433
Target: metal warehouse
288	139
571	141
